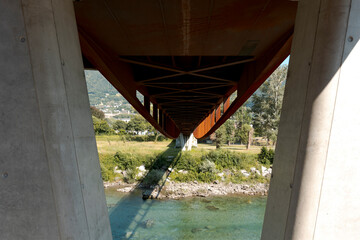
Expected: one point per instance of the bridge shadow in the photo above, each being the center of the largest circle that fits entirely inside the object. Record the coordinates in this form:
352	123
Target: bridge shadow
129	214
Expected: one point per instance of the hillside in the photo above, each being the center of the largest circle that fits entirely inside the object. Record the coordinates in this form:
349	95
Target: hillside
104	96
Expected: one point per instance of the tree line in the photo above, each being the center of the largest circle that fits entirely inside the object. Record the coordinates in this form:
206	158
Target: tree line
259	116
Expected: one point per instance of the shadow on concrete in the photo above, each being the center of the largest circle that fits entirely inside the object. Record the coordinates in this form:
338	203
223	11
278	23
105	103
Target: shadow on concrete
126	218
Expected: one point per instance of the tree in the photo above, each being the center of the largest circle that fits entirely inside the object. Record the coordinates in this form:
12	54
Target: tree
220	136
138	124
97	113
101	126
229	131
242	133
119	125
267	103
243	124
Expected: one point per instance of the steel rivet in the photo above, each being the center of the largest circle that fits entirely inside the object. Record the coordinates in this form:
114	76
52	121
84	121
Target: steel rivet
350	39
5	175
22	39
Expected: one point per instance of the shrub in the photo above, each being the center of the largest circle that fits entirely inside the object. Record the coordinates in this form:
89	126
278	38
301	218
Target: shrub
207	166
181	177
228	160
189	162
126	161
266	156
130	175
107	165
207	177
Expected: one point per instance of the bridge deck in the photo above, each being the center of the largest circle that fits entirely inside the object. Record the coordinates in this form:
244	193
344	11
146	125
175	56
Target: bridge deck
186	57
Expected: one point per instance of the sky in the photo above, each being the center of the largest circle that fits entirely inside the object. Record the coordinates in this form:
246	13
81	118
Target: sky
286	61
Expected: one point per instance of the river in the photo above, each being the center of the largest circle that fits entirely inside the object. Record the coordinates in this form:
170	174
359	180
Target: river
226	217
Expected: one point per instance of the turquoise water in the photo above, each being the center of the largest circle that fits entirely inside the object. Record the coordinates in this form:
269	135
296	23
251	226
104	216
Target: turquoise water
194	218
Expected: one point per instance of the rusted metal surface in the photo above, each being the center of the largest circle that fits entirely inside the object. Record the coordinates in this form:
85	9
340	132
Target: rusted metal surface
186	57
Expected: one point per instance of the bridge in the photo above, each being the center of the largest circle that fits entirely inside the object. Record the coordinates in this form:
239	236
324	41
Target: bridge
186	58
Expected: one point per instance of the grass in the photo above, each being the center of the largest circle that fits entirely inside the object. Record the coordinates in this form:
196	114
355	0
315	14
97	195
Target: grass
113	143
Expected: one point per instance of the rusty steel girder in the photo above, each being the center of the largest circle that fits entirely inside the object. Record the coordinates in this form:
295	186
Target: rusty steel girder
185	57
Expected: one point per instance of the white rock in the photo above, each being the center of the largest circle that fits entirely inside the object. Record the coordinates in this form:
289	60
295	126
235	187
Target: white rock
252	169
140	174
257	172
246	174
264	171
125	189
220	174
141	168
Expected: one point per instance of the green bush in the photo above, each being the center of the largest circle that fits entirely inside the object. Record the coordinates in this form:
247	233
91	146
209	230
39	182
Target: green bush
225	159
207	177
107	165
130	175
189	162
181	177
207	167
126	160
266	156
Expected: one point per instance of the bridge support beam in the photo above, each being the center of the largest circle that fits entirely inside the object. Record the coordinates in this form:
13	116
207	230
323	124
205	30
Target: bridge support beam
50	185
313	191
186	142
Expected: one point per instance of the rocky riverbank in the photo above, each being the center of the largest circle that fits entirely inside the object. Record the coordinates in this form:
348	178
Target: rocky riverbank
176	190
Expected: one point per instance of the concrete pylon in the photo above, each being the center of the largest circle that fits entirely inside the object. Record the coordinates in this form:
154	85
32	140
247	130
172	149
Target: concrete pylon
186	142
51	186
313	191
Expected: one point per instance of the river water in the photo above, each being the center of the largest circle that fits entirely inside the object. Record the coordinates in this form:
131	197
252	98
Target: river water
226	217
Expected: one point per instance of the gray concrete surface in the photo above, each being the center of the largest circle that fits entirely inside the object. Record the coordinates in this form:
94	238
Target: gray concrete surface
313	193
51	186
186	142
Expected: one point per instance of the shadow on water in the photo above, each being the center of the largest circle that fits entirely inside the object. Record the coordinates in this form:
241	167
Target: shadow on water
124	224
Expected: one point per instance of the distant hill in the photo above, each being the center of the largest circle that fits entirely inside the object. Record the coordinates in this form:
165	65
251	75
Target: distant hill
103	95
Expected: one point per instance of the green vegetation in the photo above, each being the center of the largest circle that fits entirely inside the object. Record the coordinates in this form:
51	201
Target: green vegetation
261	112
200	165
267	105
266	156
97	113
124	149
102	92
101	126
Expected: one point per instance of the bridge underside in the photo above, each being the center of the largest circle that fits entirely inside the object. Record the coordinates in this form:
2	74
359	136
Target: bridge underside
185	57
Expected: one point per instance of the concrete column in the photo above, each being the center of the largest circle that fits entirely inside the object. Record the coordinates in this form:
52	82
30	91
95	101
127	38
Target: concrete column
313	192
51	185
186	142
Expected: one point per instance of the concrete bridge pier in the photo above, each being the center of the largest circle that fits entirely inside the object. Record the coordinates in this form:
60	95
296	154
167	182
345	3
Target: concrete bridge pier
186	142
50	180
314	192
